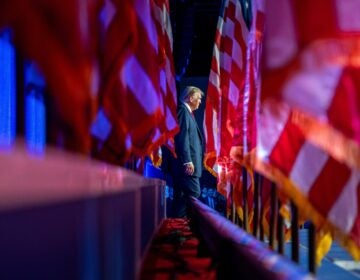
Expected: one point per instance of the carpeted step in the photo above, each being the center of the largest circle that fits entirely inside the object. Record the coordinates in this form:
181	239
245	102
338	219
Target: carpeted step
174	254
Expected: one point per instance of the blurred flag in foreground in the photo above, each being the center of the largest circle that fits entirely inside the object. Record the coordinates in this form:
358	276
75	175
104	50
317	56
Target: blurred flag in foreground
42	31
137	90
309	123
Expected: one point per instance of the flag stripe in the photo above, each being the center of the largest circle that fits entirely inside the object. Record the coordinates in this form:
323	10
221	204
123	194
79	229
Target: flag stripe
345	208
288	146
132	74
310	161
323	201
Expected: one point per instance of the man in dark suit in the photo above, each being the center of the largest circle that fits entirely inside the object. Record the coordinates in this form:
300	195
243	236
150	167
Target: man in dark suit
189	148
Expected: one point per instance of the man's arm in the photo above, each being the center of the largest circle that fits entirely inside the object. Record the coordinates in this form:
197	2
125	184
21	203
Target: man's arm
182	144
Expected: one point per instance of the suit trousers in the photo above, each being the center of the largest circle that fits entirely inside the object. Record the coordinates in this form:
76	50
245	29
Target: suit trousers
184	187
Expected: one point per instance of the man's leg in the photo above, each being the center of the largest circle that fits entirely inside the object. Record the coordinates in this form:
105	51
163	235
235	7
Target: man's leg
179	201
191	186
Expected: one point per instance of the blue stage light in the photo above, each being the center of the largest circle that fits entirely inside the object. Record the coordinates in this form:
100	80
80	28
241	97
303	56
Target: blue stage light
7	91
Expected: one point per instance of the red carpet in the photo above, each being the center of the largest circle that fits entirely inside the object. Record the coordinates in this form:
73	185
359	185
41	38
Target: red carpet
173	254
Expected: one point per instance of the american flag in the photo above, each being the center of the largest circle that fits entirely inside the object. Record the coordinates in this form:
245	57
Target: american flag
137	81
244	140
226	82
308	129
243	147
167	70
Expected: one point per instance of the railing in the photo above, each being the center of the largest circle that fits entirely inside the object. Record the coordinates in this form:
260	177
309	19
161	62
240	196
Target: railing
67	217
276	222
239	254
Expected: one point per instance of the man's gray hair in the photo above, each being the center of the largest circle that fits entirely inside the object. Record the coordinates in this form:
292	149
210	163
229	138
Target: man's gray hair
190	91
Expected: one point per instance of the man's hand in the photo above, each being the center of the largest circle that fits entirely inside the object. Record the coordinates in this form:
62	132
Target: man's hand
189	168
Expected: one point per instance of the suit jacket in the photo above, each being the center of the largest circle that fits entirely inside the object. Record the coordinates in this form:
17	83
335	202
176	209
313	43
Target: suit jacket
189	143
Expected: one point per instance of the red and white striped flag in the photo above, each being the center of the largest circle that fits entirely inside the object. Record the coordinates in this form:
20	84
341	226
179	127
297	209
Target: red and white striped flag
118	43
133	114
226	82
312	63
167	72
308	129
324	189
245	131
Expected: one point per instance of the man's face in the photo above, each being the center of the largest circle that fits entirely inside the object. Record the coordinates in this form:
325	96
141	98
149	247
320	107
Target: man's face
195	101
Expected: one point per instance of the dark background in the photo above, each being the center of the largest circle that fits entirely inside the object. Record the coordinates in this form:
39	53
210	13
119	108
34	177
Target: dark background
193	25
